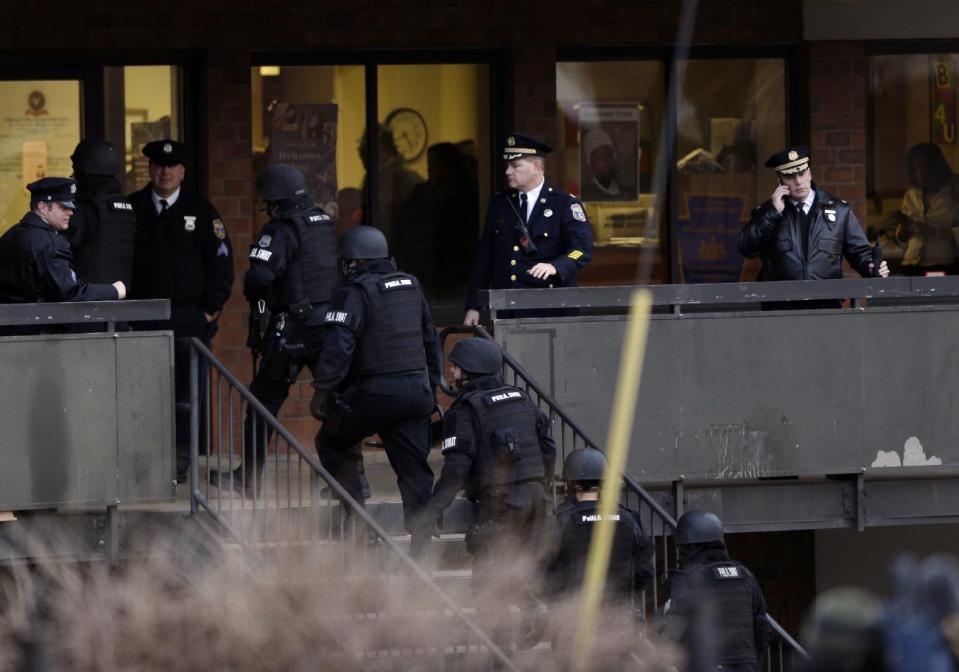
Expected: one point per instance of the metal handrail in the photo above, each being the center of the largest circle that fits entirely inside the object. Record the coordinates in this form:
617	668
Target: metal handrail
200	500
665	519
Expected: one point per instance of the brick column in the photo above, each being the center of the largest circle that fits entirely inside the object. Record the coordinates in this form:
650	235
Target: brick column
838	88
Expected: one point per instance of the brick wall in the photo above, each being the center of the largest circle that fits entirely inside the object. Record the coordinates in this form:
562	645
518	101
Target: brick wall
838	89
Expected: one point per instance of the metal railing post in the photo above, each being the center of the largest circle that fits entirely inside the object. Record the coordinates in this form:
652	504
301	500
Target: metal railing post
194	428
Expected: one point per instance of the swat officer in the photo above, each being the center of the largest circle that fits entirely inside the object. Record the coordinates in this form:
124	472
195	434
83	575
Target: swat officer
631	562
103	228
802	233
497	447
291	278
182	253
36	263
721	591
535	235
377	371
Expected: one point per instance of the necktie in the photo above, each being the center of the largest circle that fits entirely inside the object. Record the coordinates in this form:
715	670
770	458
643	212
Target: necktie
804	228
164	206
523	206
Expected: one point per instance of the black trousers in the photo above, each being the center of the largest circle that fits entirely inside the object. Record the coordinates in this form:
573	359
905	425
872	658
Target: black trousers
397	408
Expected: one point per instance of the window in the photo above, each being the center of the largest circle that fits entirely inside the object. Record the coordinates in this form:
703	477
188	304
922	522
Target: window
730	115
913	195
431	157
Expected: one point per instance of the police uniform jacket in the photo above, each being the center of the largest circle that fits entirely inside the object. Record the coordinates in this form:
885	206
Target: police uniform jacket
736	603
834	232
558	226
183	255
461	449
631	560
36	265
102	231
356	331
293	260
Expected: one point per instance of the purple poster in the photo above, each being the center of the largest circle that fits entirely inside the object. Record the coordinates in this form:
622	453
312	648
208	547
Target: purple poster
304	135
709	239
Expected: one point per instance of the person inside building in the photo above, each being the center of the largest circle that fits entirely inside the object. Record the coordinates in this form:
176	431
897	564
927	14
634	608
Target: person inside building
535	235
103	228
714	606
497	447
631	560
182	253
803	233
291	278
929	221
377	371
36	262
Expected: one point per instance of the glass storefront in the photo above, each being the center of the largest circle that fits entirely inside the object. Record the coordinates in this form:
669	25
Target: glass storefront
912	193
730	116
431	158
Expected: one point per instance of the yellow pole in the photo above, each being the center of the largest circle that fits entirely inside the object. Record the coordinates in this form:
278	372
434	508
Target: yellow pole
620	429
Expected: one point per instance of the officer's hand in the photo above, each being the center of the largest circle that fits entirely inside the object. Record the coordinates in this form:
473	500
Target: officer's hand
542	270
883	269
781	192
121	289
472	318
319	404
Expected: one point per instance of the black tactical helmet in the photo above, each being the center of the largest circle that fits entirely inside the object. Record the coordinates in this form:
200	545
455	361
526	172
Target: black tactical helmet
363	242
479	356
584	464
280	182
96	156
698	527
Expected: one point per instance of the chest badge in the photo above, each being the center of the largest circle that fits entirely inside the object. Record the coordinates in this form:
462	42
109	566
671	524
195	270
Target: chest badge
265	240
547	213
189	223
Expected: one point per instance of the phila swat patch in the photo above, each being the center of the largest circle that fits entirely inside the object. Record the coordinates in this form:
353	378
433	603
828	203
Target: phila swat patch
727	572
396	283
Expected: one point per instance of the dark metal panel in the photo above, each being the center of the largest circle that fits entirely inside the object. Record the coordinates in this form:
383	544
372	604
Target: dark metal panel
145	435
42	314
58	414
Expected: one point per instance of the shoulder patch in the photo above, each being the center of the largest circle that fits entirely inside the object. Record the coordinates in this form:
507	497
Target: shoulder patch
261	254
577	211
575	254
727	573
265	240
448	443
218	229
340	318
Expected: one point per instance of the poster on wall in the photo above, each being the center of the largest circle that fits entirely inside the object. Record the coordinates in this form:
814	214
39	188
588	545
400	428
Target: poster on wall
304	135
943	93
39	128
608	151
707	230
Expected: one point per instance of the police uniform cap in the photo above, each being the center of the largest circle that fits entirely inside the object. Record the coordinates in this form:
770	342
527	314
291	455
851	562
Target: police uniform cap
698	527
478	356
524	147
60	190
789	161
165	152
584	464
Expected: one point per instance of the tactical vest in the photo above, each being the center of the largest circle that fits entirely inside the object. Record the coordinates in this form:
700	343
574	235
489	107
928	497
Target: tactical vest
108	257
393	339
312	276
508	446
577	525
730	588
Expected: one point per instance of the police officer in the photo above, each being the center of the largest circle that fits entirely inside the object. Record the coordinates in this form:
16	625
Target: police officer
497	447
535	235
103	229
36	262
377	371
630	564
802	233
291	278
709	585
182	253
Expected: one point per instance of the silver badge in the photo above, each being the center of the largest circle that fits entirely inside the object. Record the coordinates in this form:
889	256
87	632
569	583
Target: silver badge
547	213
189	223
167	148
265	240
831	217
